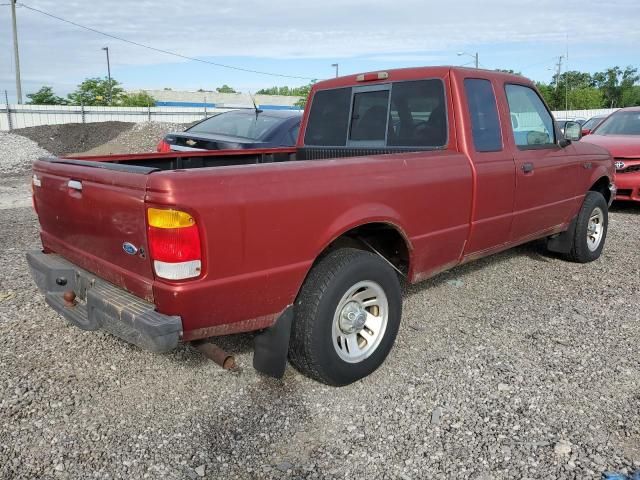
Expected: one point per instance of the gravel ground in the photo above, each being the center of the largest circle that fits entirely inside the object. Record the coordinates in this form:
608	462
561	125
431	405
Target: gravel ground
73	137
17	153
516	366
140	138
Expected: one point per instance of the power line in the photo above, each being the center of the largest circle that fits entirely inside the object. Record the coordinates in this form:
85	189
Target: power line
167	52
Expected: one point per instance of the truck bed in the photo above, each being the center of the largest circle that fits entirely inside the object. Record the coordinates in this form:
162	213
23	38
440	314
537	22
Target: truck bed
186	160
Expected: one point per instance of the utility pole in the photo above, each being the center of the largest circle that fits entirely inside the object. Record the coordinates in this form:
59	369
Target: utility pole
559	66
335	65
566	80
15	51
106	49
476	57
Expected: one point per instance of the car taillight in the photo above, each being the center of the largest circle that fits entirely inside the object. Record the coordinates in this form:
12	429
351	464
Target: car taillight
174	244
163	146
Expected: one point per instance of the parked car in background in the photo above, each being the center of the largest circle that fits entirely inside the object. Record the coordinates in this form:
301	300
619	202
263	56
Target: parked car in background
396	174
620	134
236	130
560	124
591	124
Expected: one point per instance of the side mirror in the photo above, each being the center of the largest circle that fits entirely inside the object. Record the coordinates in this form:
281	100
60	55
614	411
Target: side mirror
572	131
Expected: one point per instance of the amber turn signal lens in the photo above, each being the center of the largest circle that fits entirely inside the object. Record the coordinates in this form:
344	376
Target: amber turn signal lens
167	218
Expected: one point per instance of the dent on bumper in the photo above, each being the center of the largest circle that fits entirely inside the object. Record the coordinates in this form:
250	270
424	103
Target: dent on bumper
102	304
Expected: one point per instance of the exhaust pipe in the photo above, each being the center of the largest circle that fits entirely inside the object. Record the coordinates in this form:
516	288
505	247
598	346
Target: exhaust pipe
215	353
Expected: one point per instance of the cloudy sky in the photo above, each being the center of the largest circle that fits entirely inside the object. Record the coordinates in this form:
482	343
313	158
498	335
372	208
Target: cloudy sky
301	38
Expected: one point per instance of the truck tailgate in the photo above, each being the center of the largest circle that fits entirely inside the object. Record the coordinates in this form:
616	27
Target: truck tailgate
88	211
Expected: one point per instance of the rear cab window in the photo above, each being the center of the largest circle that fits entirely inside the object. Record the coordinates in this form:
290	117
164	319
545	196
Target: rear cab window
405	114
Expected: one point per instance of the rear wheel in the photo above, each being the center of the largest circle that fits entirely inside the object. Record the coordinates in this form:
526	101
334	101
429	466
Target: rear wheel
347	317
591	229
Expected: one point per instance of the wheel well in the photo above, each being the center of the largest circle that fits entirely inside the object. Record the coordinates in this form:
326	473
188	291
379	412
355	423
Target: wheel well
382	237
602	186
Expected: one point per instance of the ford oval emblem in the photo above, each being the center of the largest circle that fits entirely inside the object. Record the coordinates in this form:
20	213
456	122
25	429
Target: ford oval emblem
129	248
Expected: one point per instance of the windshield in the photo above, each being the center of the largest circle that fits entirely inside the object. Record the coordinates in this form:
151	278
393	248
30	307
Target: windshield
621	123
237	124
592	123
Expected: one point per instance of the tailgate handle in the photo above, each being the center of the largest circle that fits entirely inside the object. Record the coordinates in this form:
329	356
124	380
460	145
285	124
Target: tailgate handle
75	184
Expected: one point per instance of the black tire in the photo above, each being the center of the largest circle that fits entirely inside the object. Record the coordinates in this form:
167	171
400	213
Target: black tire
580	251
311	348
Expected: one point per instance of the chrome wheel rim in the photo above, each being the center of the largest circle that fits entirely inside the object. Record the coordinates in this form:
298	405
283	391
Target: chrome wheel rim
595	229
360	321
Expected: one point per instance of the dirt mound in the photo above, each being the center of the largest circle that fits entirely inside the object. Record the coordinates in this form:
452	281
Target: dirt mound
140	138
73	137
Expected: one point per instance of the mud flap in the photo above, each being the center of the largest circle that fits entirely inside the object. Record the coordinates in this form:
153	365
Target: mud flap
271	346
563	242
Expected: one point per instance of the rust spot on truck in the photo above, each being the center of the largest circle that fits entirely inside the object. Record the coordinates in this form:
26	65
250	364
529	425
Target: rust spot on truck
229	328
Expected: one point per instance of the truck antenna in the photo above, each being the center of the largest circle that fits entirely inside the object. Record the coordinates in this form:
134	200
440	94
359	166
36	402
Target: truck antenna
255	107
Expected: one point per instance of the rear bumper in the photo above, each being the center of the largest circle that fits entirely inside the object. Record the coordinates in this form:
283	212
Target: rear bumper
99	304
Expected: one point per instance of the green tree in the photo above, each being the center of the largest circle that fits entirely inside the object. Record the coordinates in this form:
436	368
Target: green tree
613	87
303	92
45	96
225	89
550	95
139	99
631	96
285	91
572	79
97	91
585	98
617	85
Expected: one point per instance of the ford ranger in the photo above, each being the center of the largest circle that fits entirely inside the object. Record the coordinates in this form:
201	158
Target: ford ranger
397	174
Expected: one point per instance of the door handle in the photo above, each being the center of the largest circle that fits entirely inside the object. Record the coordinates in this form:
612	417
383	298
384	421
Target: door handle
75	184
527	167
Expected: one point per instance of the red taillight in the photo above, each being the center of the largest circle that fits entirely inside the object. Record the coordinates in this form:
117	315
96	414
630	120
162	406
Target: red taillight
174	244
163	146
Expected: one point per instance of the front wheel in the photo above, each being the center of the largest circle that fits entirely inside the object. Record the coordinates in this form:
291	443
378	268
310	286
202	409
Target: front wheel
591	229
347	317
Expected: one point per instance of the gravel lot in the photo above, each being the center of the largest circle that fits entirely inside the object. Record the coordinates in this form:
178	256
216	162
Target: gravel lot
517	366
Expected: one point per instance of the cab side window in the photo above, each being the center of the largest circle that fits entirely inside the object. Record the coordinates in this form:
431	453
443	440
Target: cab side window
485	124
534	125
418	116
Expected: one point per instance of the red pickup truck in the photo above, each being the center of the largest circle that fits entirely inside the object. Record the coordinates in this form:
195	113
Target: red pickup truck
401	173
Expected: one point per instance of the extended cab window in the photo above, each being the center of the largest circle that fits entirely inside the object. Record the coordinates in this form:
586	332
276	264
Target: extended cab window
418	116
329	118
485	124
533	125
